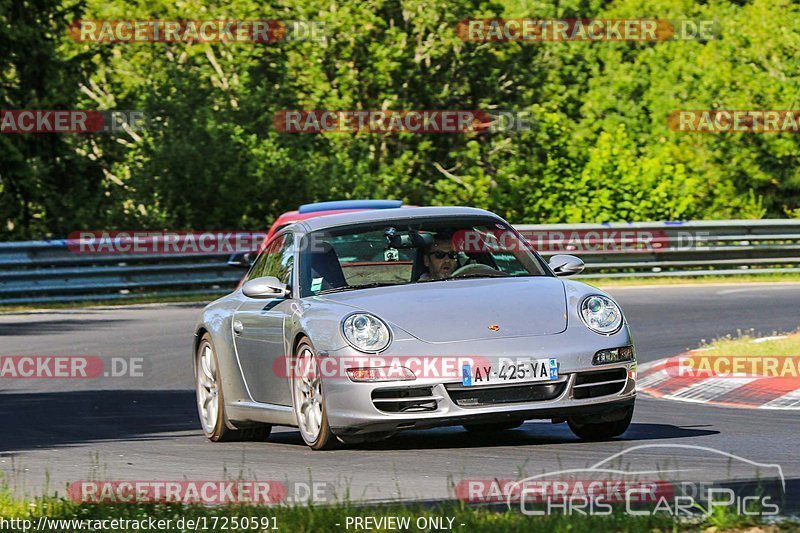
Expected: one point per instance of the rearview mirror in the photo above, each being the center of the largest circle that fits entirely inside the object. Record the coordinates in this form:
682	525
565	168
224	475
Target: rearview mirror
244	260
566	265
265	287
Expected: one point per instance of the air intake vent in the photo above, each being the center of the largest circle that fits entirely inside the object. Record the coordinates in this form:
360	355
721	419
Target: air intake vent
405	400
479	396
601	383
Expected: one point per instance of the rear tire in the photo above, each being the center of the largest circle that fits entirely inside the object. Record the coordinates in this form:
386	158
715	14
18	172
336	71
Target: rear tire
493	427
211	403
601	430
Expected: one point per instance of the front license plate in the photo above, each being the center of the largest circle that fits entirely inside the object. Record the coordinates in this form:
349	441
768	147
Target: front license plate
510	371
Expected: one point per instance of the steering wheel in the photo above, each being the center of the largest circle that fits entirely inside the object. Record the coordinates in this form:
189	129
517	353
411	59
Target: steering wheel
476	269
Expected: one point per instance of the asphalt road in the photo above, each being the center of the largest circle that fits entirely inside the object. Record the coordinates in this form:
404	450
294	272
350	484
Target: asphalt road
57	431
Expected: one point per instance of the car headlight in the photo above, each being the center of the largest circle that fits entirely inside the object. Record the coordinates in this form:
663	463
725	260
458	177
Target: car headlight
366	333
601	314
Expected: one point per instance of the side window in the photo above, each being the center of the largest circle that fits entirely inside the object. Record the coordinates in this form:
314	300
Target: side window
276	260
281	262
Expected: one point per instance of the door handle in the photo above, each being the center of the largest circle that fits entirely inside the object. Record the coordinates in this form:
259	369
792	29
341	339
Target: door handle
238	327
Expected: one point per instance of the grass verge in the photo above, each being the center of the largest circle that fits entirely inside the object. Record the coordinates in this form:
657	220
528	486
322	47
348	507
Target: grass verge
691	280
743	345
150	299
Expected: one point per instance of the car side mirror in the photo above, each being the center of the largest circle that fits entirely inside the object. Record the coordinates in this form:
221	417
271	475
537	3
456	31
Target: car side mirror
566	265
265	287
244	260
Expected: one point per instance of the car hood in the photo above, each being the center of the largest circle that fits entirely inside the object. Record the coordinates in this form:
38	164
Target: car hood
467	309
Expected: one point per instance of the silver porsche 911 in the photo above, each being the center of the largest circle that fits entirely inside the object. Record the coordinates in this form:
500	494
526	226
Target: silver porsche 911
352	327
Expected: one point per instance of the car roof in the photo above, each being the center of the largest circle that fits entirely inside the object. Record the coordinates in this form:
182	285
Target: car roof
378	215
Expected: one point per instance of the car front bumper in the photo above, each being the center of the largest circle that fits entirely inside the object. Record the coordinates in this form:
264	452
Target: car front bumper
352	408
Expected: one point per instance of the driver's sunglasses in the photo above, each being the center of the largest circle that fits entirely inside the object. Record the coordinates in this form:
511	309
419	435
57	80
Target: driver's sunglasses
438	254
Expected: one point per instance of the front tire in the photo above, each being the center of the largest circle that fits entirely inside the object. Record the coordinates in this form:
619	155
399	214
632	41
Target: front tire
309	400
602	430
210	401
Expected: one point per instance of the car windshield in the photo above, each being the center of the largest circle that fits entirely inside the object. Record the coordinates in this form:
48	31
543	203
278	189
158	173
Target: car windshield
402	252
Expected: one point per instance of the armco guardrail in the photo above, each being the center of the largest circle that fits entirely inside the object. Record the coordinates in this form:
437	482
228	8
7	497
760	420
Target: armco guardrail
48	271
698	248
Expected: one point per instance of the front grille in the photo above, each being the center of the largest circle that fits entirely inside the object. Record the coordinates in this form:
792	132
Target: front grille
599	383
405	400
479	396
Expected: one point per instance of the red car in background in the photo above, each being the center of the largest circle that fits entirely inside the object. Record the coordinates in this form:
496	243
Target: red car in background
306	211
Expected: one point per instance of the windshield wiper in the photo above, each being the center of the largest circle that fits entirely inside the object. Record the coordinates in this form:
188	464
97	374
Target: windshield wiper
475	276
354	287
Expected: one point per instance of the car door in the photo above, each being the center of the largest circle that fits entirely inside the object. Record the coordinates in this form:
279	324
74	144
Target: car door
258	326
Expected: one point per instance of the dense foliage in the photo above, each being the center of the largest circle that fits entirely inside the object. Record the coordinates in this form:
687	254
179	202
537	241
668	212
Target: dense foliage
210	157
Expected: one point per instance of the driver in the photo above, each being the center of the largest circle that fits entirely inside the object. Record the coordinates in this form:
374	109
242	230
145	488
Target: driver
440	258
